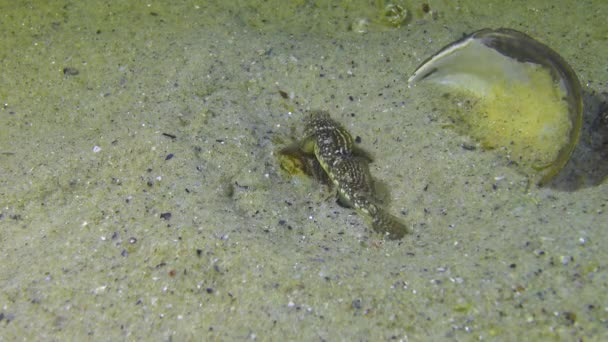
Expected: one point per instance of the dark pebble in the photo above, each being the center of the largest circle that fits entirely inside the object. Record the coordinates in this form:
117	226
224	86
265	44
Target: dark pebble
70	71
570	317
468	147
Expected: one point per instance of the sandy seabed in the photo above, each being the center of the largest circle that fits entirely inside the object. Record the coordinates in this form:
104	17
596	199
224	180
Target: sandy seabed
140	195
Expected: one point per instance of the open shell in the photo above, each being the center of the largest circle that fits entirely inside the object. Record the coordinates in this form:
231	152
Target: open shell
527	99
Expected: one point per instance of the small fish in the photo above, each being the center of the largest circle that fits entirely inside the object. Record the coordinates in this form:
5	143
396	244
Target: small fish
347	168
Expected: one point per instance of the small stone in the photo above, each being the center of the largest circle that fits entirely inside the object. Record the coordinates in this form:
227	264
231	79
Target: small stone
69	71
566	259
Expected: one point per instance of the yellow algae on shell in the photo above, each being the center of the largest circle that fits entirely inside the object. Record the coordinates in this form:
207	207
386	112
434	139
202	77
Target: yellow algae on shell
514	94
528	119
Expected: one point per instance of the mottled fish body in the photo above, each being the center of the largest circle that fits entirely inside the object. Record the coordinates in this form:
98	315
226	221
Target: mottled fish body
333	147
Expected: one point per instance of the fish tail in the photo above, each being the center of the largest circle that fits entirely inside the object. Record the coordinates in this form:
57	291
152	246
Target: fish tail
385	223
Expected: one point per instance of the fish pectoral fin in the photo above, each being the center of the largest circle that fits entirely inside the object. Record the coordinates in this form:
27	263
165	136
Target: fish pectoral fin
361	153
307	145
292	149
382	193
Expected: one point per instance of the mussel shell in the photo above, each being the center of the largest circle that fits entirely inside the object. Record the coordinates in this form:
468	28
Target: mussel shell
523	49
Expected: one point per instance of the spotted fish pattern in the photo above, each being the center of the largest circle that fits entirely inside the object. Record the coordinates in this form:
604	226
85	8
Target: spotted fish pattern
333	147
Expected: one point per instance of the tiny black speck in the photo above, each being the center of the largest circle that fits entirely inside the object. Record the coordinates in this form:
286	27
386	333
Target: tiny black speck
165	216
